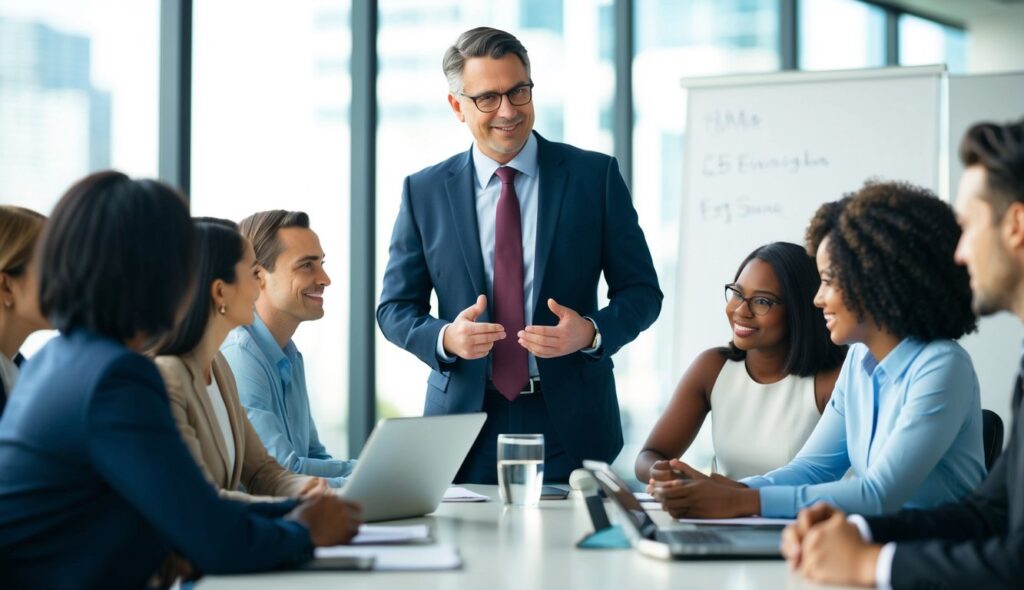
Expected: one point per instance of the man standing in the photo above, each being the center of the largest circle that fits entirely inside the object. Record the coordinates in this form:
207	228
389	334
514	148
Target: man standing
513	236
268	367
979	541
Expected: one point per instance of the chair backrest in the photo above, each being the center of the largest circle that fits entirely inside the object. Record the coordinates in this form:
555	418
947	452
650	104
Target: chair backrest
992	436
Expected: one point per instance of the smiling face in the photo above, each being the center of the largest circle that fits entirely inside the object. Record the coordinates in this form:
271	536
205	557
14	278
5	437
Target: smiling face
503	133
296	286
983	245
757	282
841	321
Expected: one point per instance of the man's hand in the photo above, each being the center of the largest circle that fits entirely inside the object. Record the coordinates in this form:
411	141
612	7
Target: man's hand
703	498
794	534
315	486
330	520
469	340
834	553
572	333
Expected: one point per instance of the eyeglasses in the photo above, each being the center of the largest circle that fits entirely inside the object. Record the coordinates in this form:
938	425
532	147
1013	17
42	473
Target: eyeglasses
491	101
757	304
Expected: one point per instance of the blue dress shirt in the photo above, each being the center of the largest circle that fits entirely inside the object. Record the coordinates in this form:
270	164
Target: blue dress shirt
909	426
272	387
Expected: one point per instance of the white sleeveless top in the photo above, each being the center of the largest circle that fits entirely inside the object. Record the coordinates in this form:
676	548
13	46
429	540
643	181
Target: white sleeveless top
757	427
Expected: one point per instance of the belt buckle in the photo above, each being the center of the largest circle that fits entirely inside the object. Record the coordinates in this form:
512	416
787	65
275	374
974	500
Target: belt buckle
533	387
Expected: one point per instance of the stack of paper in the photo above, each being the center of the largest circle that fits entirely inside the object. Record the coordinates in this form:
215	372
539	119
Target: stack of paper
370	534
457	494
399	557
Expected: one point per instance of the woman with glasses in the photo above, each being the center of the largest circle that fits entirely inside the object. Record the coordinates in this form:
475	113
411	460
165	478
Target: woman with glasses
905	416
766	389
19	293
202	390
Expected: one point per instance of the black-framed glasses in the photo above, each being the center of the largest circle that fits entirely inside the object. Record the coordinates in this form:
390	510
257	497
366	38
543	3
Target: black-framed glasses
489	102
758	304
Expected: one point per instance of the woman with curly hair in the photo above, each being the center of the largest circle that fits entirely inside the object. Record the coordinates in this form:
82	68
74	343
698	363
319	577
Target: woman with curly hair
905	415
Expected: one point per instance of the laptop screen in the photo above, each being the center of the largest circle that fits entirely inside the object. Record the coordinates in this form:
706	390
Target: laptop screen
619	492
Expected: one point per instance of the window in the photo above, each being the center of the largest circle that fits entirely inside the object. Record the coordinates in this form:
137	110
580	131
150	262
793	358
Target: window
676	39
840	34
78	93
270	131
574	79
927	42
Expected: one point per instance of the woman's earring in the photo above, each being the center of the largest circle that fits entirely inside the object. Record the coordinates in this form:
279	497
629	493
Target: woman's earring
223	309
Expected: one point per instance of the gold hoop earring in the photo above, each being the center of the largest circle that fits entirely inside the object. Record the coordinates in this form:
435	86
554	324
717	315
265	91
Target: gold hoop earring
223	309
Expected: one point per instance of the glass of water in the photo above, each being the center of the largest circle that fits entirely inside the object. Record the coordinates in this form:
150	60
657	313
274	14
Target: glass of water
520	468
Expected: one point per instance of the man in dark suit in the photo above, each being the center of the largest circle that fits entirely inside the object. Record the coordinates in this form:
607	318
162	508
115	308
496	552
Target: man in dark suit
513	236
979	541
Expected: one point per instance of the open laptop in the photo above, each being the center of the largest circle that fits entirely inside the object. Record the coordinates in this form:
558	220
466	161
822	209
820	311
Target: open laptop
683	541
408	463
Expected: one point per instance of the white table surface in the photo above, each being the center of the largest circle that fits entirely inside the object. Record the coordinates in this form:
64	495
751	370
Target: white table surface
532	548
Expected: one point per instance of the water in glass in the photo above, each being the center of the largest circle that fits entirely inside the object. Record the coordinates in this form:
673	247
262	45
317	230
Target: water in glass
520	468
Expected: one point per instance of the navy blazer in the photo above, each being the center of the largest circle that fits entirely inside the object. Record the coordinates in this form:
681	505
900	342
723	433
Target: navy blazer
97	487
586	225
975	543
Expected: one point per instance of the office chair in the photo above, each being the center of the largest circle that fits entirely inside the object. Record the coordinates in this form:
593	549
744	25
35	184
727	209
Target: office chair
992	436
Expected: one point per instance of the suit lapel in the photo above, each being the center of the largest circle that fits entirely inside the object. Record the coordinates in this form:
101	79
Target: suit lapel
553	178
199	386
462	201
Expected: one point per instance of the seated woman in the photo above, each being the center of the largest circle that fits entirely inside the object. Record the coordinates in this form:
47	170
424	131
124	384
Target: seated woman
204	398
96	485
19	292
905	414
766	389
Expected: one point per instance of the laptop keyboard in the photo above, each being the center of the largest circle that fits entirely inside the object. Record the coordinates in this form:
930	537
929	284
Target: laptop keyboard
697	537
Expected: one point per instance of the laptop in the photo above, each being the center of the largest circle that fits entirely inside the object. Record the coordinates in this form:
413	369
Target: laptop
683	541
408	463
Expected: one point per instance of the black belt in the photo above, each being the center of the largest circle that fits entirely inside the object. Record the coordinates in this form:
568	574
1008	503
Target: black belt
532	387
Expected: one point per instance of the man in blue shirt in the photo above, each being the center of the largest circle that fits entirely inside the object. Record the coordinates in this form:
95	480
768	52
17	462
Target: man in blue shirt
268	367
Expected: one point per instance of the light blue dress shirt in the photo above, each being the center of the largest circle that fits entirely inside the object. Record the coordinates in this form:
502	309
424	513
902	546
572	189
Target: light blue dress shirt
909	426
272	387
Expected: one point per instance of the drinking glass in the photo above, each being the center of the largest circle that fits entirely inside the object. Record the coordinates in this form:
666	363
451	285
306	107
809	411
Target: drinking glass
520	468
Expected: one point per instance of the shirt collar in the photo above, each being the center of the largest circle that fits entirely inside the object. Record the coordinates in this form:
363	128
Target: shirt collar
525	162
897	361
280	358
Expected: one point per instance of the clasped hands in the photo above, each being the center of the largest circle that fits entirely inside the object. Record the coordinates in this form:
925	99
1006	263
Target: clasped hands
826	548
466	338
685	492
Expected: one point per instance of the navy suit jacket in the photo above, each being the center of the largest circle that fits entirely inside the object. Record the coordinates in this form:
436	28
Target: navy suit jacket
97	487
975	543
586	225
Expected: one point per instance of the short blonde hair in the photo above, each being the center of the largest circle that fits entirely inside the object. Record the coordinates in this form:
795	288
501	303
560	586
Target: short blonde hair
19	232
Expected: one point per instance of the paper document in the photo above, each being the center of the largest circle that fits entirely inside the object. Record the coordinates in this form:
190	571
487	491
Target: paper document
400	557
746	520
644	497
459	494
370	534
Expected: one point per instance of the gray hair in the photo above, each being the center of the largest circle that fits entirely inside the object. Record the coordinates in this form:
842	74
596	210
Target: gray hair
480	42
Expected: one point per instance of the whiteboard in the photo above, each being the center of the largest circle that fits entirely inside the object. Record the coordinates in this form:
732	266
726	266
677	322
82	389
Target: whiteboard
763	152
996	347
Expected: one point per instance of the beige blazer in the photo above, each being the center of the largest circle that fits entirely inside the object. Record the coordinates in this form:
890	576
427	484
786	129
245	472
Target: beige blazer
190	403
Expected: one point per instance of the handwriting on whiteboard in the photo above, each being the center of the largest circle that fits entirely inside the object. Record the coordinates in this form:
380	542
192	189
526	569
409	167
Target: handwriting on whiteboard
721	121
740	208
745	163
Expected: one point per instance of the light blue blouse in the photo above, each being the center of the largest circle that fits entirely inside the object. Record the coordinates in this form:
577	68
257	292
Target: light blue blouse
910	428
272	387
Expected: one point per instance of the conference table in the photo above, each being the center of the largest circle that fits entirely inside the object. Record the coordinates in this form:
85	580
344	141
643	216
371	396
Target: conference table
507	548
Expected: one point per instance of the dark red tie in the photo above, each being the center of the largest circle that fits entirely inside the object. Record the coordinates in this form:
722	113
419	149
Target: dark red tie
510	371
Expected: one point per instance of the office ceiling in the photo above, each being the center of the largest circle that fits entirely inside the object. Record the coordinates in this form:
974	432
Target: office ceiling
960	11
